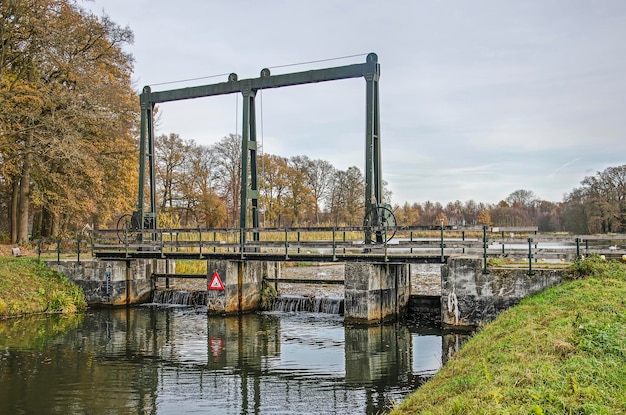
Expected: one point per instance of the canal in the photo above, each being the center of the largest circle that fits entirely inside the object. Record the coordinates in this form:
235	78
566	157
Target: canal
173	360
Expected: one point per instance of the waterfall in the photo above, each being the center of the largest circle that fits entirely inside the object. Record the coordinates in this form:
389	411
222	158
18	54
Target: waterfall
194	298
287	303
293	303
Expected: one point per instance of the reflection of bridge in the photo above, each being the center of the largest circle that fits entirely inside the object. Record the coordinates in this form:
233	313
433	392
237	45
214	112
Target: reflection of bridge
263	361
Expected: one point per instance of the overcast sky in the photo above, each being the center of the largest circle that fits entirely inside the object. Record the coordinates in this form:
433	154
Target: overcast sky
478	98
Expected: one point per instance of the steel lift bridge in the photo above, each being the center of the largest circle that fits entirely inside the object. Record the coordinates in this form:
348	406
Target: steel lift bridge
378	217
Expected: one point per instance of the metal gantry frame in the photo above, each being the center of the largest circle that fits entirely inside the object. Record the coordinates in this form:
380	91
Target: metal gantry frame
145	218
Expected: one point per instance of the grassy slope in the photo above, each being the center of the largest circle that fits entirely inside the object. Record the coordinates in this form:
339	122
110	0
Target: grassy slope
562	351
28	286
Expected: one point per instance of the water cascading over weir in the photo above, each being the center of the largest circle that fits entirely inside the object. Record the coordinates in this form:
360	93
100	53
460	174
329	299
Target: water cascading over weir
282	303
300	303
180	297
372	292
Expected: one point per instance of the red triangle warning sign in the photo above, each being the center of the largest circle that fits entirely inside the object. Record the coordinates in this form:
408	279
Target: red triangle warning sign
216	282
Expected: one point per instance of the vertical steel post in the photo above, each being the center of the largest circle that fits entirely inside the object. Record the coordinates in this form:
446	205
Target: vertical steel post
145	114
443	259
126	241
146	150
200	241
463	239
152	215
286	244
530	256
373	178
248	160
385	245
167	271
161	243
485	270
577	248
334	247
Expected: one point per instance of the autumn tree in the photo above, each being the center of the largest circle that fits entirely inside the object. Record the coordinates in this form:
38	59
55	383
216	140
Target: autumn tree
441	220
470	212
346	199
408	214
575	212
484	218
170	156
273	188
228	165
199	184
430	211
454	212
67	114
600	201
318	178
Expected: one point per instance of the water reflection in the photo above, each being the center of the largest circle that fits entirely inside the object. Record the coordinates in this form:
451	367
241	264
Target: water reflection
177	360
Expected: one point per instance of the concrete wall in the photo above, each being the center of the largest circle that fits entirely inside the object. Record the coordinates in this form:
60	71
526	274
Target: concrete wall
111	282
375	292
243	282
424	309
471	298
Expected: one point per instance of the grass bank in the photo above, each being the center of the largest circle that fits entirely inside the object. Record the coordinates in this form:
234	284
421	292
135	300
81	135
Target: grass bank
562	351
28	286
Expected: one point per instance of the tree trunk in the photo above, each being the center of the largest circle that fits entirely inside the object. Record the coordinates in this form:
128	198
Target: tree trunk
13	210
24	193
37	224
47	219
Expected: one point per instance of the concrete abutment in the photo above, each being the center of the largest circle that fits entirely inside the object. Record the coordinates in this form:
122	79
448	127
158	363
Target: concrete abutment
470	297
112	283
375	292
243	283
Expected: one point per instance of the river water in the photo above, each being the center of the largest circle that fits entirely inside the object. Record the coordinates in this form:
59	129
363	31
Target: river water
173	360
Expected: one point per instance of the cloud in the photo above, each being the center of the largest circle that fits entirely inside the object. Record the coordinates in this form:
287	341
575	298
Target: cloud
477	99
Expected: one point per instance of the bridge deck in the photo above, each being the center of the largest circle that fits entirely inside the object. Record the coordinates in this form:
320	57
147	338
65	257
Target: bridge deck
278	257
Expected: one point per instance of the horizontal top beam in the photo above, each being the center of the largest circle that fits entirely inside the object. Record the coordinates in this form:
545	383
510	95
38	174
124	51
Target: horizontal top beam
370	70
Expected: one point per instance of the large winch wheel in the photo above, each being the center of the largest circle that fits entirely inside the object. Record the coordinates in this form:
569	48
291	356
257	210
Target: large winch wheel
124	227
381	222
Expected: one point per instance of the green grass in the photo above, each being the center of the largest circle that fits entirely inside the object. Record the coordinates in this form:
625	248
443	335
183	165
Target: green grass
28	286
562	351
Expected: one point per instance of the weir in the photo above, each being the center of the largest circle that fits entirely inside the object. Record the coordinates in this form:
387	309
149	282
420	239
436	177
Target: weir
295	303
374	292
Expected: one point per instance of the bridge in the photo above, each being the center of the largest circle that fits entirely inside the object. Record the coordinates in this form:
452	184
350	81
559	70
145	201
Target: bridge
400	244
377	275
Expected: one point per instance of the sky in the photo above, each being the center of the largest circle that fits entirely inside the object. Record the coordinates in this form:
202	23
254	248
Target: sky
478	98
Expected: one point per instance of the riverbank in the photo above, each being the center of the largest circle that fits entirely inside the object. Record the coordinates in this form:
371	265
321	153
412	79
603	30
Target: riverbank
28	286
560	351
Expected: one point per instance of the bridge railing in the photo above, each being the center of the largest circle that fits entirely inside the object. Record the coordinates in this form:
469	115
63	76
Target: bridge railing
412	240
61	248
